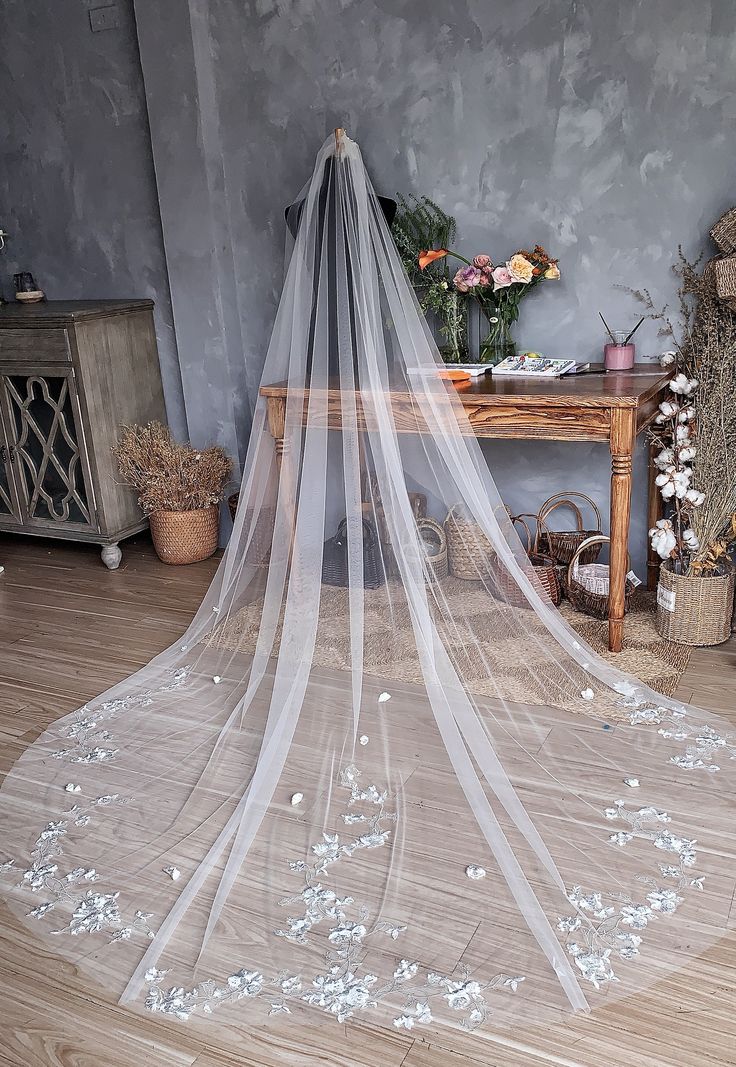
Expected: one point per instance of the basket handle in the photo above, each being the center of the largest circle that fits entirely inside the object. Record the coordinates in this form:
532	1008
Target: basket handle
594	539
437	527
521	520
559	500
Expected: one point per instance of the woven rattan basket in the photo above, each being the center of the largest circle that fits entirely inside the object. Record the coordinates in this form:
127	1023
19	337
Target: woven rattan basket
694	610
546	571
561	545
725	273
724	232
435	539
469	552
588	584
185	536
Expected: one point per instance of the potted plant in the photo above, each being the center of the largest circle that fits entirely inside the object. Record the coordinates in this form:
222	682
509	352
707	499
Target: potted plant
178	487
695	434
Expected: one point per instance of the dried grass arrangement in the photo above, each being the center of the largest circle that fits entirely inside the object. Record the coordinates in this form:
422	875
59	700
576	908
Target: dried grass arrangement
168	476
698	436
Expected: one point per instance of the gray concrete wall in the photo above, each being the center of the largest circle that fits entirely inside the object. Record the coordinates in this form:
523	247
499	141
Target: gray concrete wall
602	130
77	188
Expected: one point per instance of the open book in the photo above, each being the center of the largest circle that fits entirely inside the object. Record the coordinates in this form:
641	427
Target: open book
536	367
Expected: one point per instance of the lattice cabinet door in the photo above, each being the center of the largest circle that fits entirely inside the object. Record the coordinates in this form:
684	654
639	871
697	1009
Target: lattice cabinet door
45	445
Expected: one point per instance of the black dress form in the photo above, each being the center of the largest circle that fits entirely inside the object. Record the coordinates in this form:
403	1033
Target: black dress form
328	217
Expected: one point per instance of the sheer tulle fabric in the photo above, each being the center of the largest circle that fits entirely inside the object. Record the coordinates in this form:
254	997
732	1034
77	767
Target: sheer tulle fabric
356	787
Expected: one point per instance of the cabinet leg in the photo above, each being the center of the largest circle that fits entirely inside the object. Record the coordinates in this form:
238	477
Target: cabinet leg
111	556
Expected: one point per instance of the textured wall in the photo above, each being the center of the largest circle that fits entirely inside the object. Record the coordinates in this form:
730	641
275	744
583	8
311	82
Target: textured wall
77	189
602	130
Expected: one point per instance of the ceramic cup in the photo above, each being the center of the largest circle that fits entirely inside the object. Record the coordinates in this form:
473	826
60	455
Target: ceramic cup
619	356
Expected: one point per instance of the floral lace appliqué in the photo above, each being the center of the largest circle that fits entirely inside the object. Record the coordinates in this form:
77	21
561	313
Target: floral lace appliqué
606	926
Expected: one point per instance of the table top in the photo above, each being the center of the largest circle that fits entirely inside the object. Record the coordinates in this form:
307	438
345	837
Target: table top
612	389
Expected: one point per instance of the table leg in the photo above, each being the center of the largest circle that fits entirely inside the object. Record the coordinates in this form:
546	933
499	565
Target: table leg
623	435
276	417
654	512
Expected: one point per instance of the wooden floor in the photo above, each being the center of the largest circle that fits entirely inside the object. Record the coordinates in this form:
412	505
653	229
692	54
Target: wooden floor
69	629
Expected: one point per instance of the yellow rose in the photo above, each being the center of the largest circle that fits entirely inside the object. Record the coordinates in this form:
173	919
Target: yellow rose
552	272
520	268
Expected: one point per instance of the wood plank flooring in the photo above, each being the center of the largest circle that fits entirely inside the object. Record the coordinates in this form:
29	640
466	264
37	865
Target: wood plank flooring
69	629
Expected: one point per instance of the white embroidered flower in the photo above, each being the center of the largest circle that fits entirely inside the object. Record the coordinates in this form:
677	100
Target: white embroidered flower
405	971
420	1013
460	995
246	983
348	934
94	912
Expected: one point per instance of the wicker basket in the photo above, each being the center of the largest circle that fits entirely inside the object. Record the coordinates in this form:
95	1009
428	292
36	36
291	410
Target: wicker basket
588	584
562	545
695	611
433	535
724	232
546	570
469	552
725	275
185	536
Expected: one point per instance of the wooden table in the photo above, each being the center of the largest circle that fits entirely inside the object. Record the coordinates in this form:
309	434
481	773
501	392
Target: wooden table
614	407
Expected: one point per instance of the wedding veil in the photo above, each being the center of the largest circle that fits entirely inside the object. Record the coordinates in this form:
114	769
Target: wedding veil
359	785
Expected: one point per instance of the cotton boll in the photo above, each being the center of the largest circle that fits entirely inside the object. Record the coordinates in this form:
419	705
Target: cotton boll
668	408
686	414
682	385
695	497
665	459
682	433
667	359
691	540
663	538
686	453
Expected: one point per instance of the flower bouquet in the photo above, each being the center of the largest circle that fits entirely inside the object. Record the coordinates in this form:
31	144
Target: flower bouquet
498	291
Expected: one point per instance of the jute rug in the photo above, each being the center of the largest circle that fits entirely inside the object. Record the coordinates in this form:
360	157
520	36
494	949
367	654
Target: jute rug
486	646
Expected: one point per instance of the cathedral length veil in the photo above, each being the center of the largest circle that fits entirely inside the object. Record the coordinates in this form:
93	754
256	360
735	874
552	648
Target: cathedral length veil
356	787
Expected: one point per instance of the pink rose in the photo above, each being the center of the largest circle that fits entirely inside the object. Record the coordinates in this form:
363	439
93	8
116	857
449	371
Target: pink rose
481	262
466	279
501	278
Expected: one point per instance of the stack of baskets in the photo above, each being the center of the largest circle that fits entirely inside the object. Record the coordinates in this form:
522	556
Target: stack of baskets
724	267
559	560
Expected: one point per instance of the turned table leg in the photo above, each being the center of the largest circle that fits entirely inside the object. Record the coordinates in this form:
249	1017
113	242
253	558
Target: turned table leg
623	435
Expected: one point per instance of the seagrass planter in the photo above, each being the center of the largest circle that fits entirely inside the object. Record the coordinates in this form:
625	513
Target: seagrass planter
695	610
185	536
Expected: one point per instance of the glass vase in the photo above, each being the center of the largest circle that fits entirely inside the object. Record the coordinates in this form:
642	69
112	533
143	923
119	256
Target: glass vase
498	344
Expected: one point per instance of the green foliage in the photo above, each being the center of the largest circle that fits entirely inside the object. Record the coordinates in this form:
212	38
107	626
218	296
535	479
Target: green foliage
420	224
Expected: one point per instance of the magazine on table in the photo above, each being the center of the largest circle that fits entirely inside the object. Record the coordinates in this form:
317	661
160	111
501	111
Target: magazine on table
525	366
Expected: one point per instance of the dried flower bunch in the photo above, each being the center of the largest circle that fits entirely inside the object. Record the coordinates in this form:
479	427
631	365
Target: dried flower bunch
696	428
168	476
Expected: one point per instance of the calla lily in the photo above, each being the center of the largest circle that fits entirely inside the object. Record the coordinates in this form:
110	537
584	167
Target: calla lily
425	258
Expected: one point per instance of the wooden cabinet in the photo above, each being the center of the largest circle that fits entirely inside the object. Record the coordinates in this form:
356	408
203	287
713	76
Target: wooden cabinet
71	373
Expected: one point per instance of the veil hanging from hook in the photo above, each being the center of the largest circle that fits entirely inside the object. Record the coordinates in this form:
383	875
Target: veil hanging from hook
358	785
